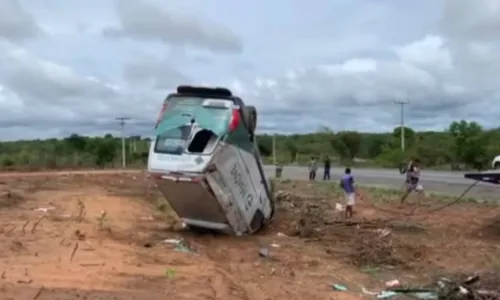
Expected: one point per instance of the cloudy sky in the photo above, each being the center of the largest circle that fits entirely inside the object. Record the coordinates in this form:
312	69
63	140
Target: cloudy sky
73	66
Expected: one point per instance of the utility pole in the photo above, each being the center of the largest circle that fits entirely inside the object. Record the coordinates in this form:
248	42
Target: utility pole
122	121
274	149
402	103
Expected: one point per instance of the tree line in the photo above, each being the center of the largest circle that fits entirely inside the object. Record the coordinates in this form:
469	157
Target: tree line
464	145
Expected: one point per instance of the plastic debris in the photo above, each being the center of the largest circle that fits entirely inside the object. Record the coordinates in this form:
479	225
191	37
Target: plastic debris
386	294
383	232
172	241
442	289
339	287
367	292
181	246
392	283
264	252
44	209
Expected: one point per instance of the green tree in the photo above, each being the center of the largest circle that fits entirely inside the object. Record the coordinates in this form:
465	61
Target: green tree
470	143
105	152
351	141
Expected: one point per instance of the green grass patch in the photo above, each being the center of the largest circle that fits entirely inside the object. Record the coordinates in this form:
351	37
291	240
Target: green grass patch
377	193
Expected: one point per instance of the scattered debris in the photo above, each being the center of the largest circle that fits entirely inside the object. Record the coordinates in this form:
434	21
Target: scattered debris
182	246
264	252
275	245
44	209
442	289
339	287
172	241
392	283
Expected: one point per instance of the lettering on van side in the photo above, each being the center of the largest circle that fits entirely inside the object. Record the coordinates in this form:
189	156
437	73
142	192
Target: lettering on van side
238	181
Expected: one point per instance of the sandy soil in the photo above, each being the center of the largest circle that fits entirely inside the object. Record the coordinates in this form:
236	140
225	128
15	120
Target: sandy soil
102	236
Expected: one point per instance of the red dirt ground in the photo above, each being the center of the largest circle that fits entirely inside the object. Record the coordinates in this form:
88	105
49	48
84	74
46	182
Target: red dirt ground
71	251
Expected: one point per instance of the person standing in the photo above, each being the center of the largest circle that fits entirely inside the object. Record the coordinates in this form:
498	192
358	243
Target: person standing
347	184
412	182
326	172
313	167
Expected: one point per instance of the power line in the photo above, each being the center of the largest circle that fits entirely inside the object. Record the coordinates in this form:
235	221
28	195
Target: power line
402	103
122	121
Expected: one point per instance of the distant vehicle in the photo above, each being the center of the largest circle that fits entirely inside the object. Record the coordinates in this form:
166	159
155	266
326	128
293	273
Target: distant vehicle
206	162
495	164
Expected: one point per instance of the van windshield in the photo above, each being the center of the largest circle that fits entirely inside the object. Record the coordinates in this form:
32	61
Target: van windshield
173	140
184	110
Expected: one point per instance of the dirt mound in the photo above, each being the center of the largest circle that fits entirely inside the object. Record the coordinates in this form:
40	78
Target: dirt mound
361	242
490	229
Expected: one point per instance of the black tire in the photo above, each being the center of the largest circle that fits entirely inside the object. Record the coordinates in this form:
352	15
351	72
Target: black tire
497	165
272	188
257	221
250	118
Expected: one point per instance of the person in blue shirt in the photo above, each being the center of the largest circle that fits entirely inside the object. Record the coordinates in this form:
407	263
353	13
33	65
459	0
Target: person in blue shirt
347	184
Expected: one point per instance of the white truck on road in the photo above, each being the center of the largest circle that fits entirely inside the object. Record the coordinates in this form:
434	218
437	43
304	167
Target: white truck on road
495	164
206	162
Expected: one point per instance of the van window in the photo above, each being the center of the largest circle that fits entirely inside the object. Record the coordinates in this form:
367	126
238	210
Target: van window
173	141
182	110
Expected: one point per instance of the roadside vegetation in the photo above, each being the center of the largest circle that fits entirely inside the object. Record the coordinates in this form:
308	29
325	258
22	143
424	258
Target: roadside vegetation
464	145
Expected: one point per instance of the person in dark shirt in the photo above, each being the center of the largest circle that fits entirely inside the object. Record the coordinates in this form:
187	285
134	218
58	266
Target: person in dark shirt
326	172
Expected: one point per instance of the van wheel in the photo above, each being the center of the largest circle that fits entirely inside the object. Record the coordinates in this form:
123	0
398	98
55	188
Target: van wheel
272	188
250	118
497	165
257	221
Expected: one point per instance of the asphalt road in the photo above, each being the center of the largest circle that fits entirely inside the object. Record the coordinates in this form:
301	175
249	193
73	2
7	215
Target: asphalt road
452	183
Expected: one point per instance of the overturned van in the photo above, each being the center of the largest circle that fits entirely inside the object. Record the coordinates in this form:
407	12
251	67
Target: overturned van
206	162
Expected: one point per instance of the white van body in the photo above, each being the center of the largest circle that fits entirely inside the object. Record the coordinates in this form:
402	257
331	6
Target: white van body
222	187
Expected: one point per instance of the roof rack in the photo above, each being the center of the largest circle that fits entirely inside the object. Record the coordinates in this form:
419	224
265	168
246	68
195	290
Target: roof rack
206	91
492	177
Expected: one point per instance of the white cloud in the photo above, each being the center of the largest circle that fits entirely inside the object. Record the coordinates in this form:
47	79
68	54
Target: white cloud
431	52
140	19
301	66
17	24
